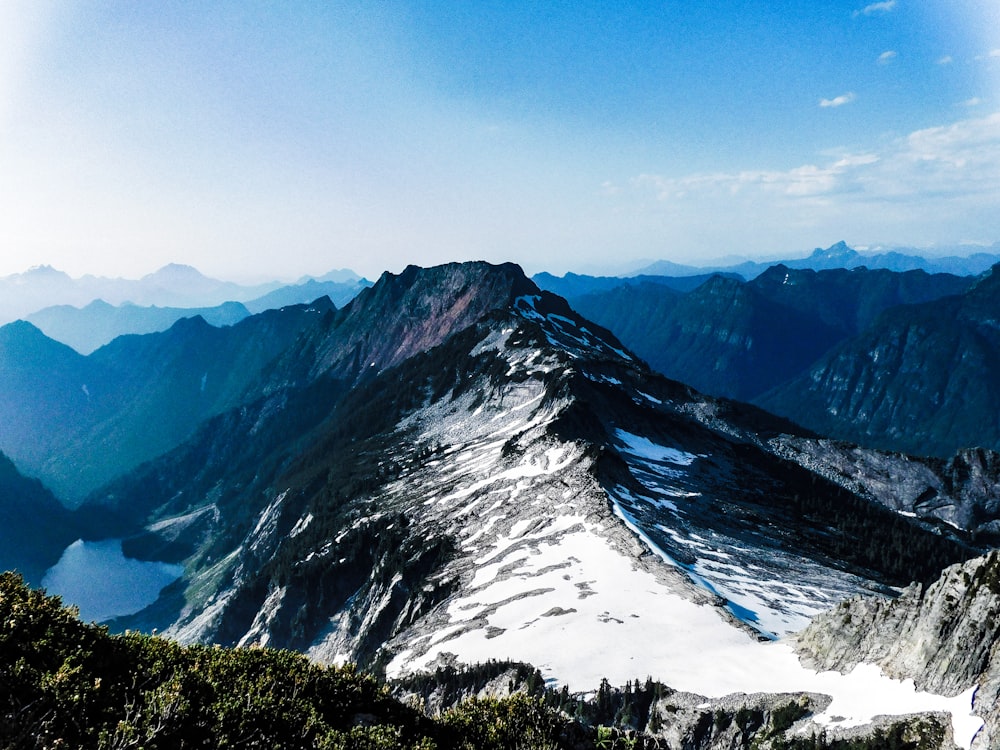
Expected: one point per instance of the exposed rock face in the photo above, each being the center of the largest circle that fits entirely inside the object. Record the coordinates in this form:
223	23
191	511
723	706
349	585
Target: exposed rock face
943	636
409	313
776	721
963	491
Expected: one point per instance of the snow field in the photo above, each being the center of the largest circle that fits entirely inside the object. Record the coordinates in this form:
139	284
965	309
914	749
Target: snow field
551	588
581	612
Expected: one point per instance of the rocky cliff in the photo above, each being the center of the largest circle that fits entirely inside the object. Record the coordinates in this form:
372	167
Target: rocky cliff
943	636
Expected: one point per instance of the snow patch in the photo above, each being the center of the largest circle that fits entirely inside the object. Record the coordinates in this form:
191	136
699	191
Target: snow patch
643	447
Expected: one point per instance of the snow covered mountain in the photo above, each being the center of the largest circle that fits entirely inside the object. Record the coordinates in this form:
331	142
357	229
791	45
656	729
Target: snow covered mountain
457	467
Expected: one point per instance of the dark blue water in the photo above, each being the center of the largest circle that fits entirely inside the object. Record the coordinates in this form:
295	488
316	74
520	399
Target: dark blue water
103	583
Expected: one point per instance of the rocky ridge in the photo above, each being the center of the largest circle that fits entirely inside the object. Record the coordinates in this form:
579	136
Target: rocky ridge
944	636
962	492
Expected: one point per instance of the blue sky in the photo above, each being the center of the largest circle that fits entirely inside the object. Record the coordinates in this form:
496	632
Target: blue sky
260	140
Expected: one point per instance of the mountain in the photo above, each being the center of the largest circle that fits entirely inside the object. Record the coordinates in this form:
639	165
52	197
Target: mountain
44	393
98	323
920	379
840	255
77	422
668	268
34	527
338	276
456	467
945	636
459	467
88	328
179	285
339	292
174	285
573	285
740	339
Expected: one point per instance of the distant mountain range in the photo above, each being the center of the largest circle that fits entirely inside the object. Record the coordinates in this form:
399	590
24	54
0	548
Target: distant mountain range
740	339
839	255
93	311
573	286
173	286
91	327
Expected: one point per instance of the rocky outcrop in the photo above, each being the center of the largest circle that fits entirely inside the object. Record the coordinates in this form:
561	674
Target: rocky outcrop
781	721
963	491
943	636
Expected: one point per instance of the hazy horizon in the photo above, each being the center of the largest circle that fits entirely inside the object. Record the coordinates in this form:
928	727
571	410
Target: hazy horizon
276	141
609	269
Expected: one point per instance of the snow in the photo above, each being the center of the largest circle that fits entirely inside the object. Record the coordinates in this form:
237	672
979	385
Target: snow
644	448
270	515
183	520
301	525
543	612
549	576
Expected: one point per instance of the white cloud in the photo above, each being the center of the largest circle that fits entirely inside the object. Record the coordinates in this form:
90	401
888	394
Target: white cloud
960	158
973	102
887	57
945	60
883	7
931	185
802	181
838	101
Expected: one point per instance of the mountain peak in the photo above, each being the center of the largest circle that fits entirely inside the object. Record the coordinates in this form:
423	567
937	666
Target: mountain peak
838	251
175	272
412	311
338	275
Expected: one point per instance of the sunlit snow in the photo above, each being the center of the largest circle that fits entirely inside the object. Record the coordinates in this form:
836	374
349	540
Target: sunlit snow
551	575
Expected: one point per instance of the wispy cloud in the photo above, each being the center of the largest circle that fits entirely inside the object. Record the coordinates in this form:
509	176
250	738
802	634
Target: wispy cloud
961	158
807	180
945	60
838	101
886	57
883	7
936	176
993	54
973	102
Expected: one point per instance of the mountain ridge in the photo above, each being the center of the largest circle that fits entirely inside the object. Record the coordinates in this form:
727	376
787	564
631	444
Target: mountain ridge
742	339
840	255
457	464
457	386
174	285
918	379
